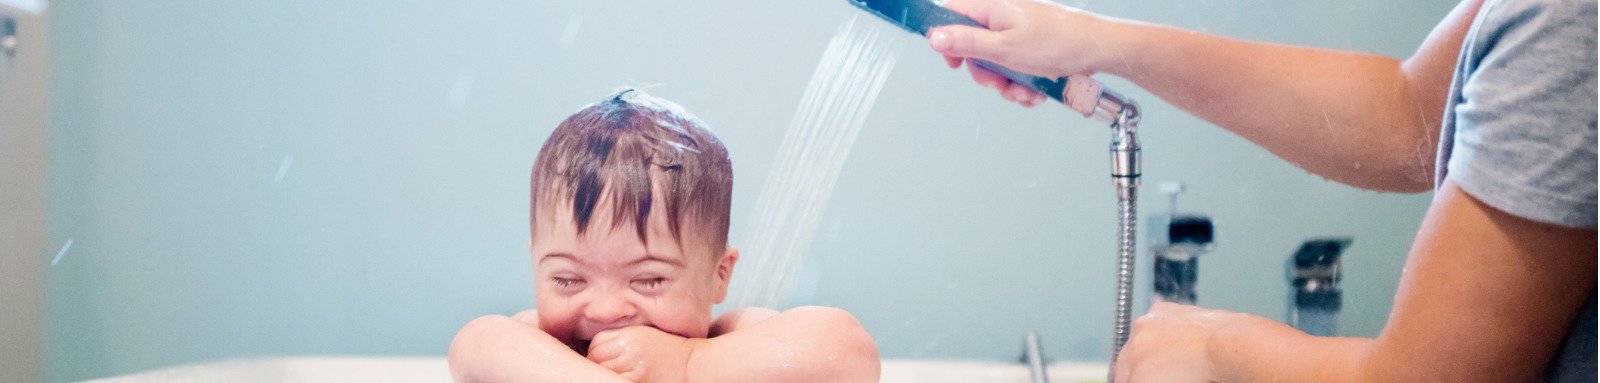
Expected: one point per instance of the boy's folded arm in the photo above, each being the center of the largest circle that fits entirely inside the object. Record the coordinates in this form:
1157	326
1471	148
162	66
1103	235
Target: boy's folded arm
496	348
738	319
804	344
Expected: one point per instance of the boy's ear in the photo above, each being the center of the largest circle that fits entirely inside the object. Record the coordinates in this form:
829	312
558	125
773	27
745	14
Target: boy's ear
725	272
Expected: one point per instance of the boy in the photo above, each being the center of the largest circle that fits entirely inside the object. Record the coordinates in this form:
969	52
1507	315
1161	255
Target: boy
630	200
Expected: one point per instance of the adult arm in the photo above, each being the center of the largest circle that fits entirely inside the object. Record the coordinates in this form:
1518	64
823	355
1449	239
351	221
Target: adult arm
1360	119
1486	296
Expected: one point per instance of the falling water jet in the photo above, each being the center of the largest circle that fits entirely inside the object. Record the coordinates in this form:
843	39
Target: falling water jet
789	210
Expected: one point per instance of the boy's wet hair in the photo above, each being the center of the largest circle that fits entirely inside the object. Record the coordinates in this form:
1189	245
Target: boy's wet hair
624	145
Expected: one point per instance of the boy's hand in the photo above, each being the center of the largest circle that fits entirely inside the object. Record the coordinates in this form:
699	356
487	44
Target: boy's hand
643	354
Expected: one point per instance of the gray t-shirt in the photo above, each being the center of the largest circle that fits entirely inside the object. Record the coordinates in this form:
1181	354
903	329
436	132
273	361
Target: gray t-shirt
1519	129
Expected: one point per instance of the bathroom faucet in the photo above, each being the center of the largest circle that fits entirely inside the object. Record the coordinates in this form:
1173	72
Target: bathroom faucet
1177	241
1176	269
1314	275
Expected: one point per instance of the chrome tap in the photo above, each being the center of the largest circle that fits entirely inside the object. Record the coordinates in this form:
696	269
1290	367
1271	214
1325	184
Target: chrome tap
1176	242
1314	277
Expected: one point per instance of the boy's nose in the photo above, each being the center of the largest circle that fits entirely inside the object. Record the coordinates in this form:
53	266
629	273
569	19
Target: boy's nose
609	309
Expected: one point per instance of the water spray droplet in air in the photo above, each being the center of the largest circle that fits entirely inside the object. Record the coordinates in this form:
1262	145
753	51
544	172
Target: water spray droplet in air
283	168
460	89
62	252
570	33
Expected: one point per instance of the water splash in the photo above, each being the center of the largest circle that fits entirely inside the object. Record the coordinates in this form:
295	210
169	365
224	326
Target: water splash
62	252
787	213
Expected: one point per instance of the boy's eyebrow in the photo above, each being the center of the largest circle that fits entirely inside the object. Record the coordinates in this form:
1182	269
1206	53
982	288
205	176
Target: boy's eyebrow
657	258
553	255
645	258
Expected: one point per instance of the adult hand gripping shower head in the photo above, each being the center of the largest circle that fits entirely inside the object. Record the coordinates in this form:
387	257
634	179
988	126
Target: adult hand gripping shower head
1083	95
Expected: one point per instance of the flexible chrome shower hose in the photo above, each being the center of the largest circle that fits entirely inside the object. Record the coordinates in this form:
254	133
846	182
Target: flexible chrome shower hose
1127	221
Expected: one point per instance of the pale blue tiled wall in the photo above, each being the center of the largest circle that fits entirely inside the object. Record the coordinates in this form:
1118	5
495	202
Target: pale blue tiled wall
959	222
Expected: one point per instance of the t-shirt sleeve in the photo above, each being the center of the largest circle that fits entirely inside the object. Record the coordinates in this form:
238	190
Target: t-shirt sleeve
1525	120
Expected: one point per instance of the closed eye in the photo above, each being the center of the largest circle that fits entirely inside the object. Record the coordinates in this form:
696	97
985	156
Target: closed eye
567	283
649	284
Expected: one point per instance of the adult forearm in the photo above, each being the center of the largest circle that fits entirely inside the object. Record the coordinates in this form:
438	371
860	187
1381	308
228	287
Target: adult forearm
1349	117
1262	350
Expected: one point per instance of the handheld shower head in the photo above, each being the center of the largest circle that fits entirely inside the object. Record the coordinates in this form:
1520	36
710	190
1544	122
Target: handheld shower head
1080	93
1083	95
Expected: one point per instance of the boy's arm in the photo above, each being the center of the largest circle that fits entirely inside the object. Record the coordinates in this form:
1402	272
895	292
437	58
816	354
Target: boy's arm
805	344
495	348
738	319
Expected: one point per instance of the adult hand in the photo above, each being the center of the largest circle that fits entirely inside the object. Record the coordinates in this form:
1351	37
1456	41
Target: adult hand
1170	344
1036	37
643	354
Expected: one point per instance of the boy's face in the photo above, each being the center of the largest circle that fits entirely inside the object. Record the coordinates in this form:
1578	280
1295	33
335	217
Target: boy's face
609	278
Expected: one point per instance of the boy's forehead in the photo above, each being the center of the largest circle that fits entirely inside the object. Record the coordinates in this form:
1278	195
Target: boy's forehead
556	222
559	219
